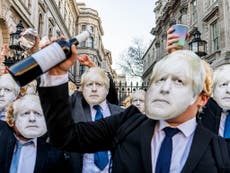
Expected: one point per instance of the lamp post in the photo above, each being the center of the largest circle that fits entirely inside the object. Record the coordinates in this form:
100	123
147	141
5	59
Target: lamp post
197	45
14	47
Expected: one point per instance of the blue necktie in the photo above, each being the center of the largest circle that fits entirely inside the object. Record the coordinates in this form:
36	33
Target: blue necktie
16	156
101	158
15	159
165	154
1	115
227	126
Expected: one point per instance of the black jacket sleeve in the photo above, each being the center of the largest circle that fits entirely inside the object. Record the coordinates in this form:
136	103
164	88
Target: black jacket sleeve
82	136
112	96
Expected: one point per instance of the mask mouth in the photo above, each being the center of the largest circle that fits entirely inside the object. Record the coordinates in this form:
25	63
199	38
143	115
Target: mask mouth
32	126
226	98
160	101
94	96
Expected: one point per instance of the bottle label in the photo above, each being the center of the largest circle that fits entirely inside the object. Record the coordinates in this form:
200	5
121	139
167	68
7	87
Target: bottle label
49	56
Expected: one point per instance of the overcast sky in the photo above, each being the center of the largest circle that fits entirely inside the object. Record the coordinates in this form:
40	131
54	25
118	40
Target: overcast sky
122	21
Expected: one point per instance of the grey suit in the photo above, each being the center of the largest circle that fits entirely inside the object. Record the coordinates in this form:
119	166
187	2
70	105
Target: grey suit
81	113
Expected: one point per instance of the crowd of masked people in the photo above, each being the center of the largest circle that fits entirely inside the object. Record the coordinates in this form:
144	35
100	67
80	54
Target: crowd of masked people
180	124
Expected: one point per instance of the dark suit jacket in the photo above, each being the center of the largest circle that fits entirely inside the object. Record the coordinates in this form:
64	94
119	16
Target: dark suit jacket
211	115
81	112
133	154
48	159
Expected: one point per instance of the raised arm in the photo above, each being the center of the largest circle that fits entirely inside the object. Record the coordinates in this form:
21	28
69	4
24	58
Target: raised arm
79	137
172	38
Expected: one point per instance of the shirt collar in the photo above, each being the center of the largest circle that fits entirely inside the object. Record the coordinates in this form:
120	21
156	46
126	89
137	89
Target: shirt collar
187	128
33	141
102	104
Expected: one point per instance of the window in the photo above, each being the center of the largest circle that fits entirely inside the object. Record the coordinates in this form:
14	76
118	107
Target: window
91	29
194	10
83	27
180	19
215	36
29	4
50	33
59	4
91	42
40	24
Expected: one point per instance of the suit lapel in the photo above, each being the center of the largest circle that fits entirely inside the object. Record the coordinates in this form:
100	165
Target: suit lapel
86	109
218	117
10	151
147	130
200	142
114	109
41	157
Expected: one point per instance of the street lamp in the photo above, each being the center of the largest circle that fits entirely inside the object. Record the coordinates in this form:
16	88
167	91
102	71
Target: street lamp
197	45
14	47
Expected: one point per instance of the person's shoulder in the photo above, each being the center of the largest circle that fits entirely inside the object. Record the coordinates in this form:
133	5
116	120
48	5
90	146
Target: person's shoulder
212	104
4	125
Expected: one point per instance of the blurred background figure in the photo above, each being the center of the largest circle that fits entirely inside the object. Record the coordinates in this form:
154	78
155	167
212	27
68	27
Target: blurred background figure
127	102
9	91
138	99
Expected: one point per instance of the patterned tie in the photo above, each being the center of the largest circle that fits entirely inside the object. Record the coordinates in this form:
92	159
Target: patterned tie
227	126
16	156
101	158
165	154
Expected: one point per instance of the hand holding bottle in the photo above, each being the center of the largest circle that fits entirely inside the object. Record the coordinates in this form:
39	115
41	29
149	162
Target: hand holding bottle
55	54
63	67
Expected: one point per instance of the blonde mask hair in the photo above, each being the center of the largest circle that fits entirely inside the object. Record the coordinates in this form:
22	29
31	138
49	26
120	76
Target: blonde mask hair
91	72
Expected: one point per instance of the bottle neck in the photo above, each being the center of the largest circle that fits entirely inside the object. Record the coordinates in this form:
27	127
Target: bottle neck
73	41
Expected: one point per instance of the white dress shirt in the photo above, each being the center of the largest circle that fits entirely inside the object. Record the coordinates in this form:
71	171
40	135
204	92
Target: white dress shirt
182	142
52	80
27	157
88	158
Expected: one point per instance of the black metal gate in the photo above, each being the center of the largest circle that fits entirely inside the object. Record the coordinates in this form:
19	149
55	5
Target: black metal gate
124	89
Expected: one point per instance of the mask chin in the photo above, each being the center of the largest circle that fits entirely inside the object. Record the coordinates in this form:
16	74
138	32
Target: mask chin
166	115
31	136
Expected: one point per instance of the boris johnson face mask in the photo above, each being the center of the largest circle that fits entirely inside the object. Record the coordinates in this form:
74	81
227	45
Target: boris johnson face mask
30	121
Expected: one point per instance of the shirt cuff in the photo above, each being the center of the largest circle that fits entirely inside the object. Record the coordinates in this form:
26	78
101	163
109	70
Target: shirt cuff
53	80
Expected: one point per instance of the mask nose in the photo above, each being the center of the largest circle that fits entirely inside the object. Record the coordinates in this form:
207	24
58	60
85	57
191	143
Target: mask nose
94	87
166	86
32	117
